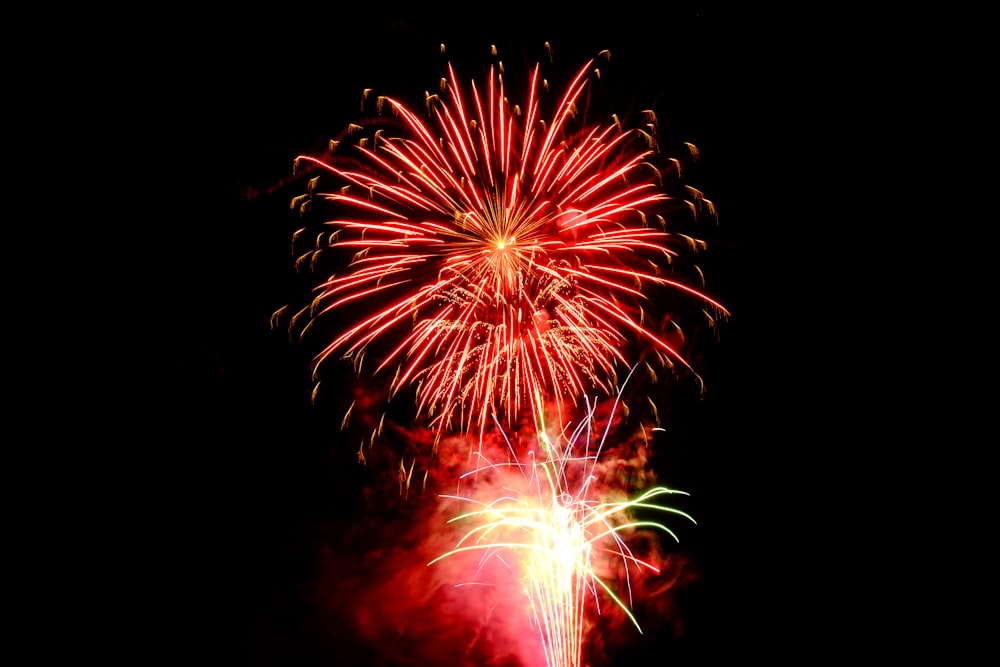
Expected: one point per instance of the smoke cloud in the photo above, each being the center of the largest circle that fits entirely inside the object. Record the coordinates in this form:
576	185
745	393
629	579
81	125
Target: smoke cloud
387	605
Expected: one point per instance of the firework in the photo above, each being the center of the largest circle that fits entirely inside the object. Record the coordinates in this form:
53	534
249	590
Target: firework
552	524
496	252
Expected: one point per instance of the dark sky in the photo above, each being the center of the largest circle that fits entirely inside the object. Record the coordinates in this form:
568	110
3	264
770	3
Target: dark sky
260	487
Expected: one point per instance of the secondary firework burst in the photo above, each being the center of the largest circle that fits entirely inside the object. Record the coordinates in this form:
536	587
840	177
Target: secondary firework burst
490	252
553	523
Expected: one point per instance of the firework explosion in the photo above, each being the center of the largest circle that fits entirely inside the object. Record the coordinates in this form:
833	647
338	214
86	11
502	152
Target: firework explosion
501	263
552	523
495	253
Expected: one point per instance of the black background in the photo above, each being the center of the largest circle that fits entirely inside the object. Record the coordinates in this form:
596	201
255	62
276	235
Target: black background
248	481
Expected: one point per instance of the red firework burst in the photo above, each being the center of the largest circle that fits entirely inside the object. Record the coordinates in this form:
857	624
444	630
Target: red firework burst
498	252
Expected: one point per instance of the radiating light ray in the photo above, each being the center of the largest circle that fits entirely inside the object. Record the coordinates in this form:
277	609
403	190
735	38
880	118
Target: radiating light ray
500	252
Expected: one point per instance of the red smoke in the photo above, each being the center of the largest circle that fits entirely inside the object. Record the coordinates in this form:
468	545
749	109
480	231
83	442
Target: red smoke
380	596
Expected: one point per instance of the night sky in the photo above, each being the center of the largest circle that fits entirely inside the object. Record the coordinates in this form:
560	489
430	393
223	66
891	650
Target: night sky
260	489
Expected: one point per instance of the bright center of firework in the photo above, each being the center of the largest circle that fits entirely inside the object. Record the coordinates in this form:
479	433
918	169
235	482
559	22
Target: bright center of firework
568	546
503	242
